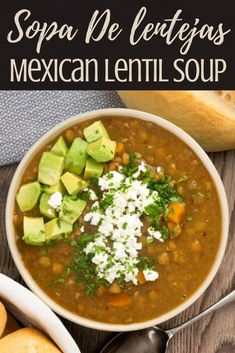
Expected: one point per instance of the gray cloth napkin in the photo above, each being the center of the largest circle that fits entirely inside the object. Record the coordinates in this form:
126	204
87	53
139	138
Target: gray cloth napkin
27	115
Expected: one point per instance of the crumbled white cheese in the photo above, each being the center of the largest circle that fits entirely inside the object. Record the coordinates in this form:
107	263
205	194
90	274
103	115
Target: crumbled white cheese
111	180
82	229
55	200
150	275
141	169
119	222
155	234
92	195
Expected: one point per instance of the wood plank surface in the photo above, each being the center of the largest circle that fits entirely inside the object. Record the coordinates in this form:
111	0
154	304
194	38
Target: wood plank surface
213	334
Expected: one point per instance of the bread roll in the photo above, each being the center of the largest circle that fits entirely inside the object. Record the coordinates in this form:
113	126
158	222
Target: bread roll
208	116
11	325
3	318
27	340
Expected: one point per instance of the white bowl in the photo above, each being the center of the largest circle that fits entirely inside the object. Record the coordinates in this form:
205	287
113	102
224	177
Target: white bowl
121	113
31	311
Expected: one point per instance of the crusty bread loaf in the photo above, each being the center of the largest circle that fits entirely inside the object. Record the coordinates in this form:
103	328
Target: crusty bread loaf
3	318
27	340
208	116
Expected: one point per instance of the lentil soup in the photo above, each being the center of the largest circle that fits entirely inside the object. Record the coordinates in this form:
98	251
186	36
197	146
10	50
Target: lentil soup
124	233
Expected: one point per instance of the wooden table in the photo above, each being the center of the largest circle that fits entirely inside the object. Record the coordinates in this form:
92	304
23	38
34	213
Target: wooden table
214	334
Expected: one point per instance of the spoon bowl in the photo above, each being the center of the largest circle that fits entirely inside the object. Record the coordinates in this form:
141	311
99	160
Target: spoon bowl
152	340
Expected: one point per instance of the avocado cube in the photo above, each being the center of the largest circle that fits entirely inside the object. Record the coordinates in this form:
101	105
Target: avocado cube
77	156
34	231
28	196
60	148
59	187
71	209
93	169
50	168
102	150
73	183
95	131
45	209
57	229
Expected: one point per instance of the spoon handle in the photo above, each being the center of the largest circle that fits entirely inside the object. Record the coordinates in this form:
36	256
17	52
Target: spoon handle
224	301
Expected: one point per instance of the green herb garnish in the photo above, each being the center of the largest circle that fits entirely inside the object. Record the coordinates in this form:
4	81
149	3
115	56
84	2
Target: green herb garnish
106	202
82	264
146	263
132	166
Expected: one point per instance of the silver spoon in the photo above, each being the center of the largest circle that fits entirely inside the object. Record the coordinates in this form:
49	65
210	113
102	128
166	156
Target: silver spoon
153	339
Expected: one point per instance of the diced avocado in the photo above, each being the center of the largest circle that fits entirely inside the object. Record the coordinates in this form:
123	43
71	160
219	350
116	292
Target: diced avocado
45	209
77	156
28	196
60	148
95	131
93	169
57	228
102	150
73	183
71	209
50	168
59	187
34	231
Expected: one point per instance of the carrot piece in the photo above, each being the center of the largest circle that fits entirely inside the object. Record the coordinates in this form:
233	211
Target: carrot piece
140	278
176	212
120	300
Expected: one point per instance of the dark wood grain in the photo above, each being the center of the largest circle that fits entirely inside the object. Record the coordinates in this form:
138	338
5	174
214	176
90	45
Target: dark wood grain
213	334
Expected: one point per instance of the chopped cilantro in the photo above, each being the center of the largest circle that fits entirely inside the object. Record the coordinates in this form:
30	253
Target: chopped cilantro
82	264
121	280
84	268
132	166
84	195
91	288
104	282
83	240
106	202
165	233
94	181
153	210
124	225
146	263
166	192
133	159
109	176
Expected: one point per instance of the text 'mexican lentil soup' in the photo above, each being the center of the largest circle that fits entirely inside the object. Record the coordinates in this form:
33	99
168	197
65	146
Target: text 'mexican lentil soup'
117	220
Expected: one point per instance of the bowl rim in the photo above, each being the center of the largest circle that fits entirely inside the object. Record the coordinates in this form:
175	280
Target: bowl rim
121	113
